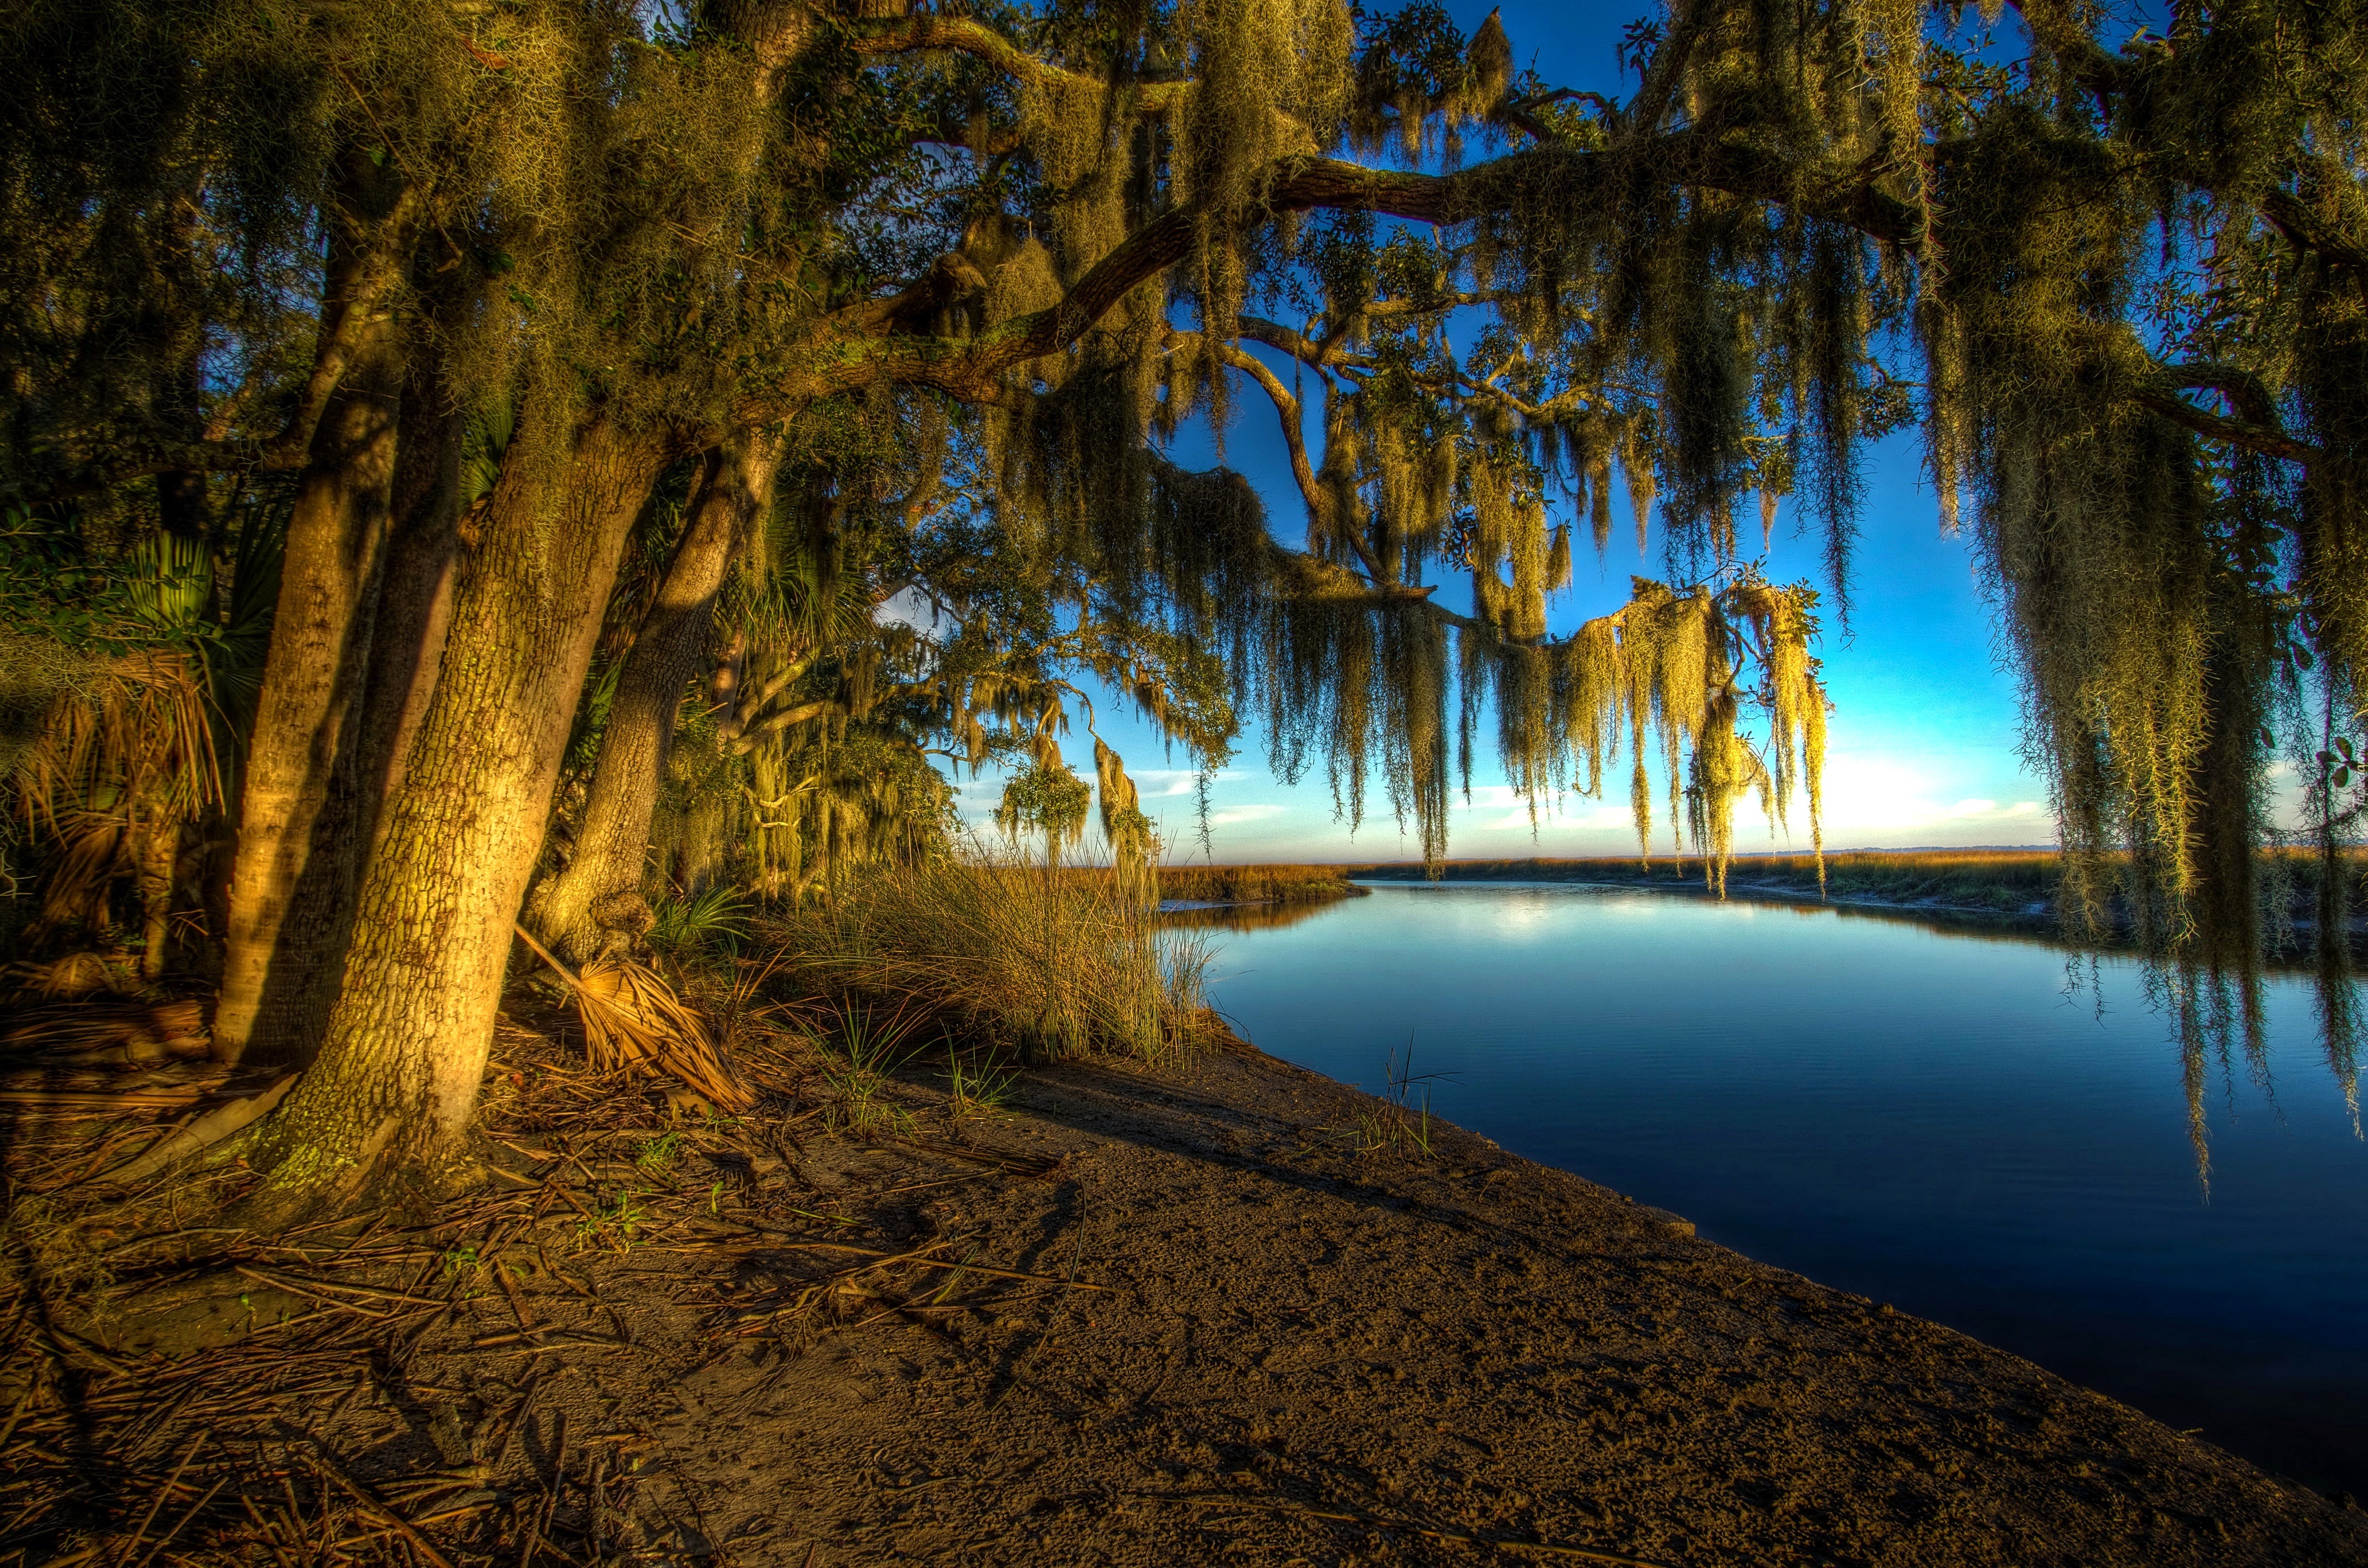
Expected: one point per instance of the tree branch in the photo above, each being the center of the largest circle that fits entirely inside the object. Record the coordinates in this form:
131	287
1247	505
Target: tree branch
2054	27
782	719
2289	216
2269	440
972	370
961	34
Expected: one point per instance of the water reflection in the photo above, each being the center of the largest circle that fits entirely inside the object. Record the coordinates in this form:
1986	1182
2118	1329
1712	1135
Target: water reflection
1929	1116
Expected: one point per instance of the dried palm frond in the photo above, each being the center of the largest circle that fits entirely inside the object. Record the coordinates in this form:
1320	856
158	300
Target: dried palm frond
634	1020
78	1033
70	974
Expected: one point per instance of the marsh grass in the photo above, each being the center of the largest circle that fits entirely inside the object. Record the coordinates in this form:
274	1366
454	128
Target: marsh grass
859	1073
2001	880
973	1089
1009	955
1255	884
1400	1121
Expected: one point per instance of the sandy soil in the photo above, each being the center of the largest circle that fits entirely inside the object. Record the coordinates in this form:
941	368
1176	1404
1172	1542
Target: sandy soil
1222	1314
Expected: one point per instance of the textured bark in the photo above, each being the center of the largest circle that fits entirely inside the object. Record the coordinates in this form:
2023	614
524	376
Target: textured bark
389	1097
292	885
595	906
415	602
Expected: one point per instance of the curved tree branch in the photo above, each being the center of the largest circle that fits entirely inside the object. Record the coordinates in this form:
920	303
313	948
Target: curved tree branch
2270	441
972	370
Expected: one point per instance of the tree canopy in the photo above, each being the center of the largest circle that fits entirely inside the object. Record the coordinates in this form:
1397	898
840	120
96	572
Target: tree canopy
516	312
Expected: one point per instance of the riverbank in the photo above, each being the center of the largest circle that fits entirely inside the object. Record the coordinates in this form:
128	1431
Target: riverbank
1229	1312
2011	888
1204	885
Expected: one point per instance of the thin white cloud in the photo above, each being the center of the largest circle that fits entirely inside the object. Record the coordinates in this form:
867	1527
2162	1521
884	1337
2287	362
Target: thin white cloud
1232	814
1160	783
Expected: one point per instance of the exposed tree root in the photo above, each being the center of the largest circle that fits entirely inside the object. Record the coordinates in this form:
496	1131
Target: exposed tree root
200	1136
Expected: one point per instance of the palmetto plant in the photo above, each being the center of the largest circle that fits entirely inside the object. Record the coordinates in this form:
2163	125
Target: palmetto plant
140	738
719	916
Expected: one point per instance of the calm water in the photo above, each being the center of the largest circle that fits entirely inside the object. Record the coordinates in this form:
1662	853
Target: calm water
1918	1116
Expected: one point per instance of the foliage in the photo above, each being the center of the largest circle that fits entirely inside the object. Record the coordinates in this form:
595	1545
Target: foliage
718	917
973	271
1046	797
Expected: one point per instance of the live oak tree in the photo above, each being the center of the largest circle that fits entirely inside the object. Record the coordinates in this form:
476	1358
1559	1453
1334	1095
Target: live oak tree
487	286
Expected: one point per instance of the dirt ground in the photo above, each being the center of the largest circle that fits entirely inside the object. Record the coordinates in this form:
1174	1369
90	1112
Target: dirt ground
1229	1313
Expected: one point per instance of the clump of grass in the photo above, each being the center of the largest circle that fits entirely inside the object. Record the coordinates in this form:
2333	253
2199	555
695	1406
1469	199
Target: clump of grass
718	917
1019	956
1399	1123
661	1153
616	1223
869	1051
975	1090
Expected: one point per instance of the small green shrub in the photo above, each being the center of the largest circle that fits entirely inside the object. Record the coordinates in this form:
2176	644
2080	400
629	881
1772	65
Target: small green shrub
719	917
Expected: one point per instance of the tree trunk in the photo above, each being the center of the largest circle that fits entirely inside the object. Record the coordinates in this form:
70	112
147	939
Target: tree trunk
293	884
293	877
415	604
390	1093
595	906
157	833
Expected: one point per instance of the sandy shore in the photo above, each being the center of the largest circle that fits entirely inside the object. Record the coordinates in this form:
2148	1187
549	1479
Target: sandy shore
1300	1353
1211	1315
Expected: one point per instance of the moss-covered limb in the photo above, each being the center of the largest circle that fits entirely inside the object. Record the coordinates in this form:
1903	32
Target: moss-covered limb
595	905
1321	503
2263	437
301	827
974	369
963	35
2345	243
399	1060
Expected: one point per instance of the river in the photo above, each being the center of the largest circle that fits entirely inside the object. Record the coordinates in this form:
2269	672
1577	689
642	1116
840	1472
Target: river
1929	1118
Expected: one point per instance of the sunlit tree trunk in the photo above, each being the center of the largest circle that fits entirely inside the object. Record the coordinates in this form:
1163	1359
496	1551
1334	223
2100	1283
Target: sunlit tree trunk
295	872
294	878
597	905
388	1098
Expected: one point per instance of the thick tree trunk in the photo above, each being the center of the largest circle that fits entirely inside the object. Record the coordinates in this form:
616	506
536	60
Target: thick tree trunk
388	1098
595	906
292	885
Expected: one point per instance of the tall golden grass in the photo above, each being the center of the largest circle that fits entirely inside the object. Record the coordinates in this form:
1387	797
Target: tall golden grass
1049	963
1255	884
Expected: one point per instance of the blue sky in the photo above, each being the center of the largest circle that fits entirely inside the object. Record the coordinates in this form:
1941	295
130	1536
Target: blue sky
1923	746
